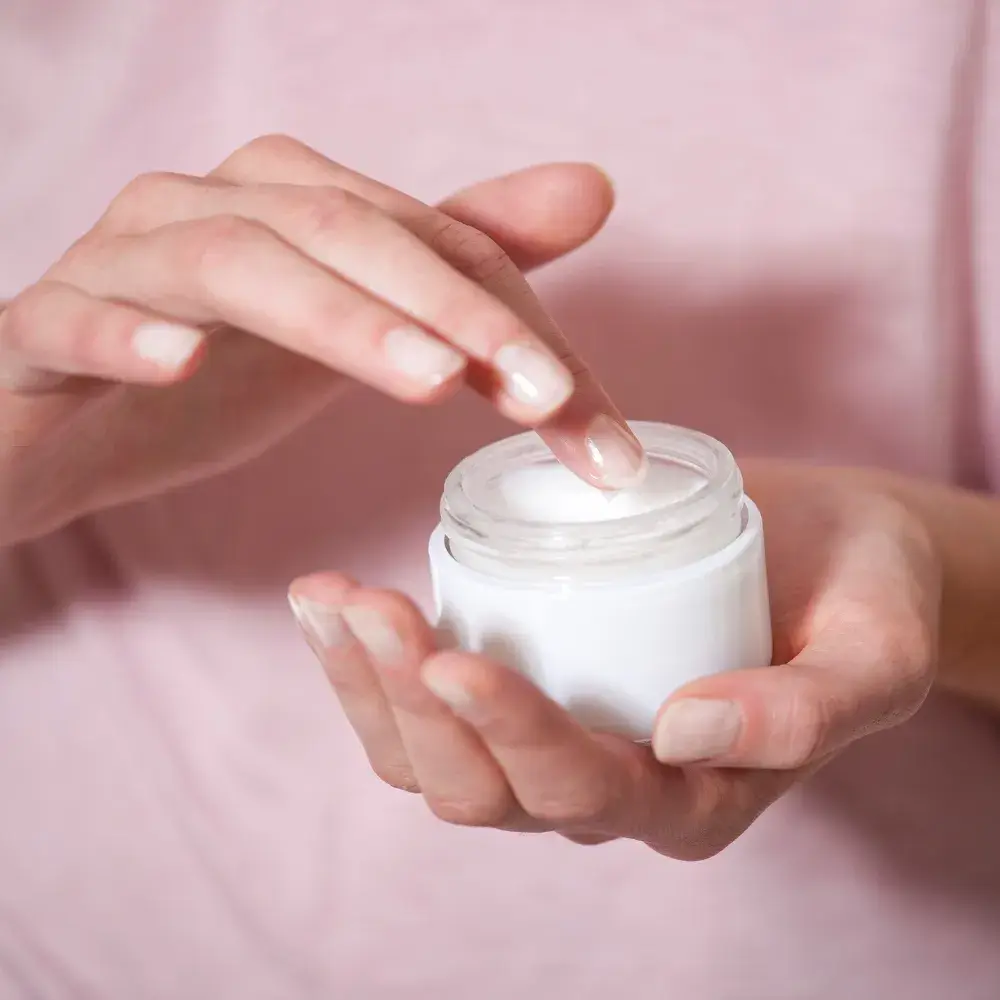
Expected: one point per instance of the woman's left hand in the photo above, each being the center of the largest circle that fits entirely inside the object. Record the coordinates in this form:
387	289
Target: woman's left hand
855	593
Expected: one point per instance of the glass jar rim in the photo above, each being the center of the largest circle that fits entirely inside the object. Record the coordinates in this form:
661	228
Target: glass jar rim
468	517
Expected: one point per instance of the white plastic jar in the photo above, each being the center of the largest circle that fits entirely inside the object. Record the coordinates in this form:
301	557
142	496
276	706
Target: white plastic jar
608	602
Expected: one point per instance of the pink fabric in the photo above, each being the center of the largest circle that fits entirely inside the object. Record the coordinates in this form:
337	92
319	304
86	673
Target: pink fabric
804	261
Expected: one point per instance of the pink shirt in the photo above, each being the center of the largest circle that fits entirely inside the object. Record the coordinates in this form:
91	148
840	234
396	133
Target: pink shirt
805	261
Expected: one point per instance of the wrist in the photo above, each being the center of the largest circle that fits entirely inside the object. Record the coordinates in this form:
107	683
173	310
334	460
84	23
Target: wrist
964	528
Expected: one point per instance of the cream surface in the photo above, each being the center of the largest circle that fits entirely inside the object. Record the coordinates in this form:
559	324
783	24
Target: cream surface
547	493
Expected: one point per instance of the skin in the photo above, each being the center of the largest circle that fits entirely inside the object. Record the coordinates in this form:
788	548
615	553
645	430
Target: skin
289	272
880	585
286	277
854	578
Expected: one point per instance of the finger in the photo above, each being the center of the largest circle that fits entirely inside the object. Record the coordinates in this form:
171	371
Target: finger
317	603
594	787
589	435
52	330
460	781
865	660
715	808
839	689
234	271
373	251
537	214
560	773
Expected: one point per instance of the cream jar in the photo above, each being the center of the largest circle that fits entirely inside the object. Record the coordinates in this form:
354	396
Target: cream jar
608	602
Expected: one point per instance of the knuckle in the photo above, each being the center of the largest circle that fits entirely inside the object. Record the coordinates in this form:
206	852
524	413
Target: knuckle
487	810
348	682
79	258
320	210
470	251
212	245
806	731
83	325
586	806
140	199
273	147
21	317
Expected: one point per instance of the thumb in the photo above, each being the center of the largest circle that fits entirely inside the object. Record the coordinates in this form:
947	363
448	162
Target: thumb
793	715
537	214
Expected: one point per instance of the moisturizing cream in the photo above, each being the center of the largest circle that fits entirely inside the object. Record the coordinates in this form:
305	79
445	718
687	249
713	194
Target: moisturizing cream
608	602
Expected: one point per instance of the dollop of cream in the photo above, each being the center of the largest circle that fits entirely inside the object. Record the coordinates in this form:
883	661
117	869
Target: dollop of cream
548	493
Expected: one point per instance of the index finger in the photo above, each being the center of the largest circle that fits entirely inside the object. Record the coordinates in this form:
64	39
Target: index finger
560	773
589	435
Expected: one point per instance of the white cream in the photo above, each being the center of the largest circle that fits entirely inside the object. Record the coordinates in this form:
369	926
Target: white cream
609	603
548	492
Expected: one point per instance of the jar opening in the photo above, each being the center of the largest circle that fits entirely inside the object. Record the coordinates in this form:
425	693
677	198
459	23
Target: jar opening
512	505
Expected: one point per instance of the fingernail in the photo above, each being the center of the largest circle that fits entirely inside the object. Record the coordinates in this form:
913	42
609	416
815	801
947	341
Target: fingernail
167	345
617	458
322	623
421	357
448	690
375	633
533	378
697	729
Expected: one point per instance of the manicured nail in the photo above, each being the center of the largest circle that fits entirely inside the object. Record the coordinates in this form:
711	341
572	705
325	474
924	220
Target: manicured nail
697	729
533	378
375	633
448	690
421	357
167	345
617	459
321	623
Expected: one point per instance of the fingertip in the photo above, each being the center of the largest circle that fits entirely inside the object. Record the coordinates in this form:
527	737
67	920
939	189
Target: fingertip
698	730
607	454
538	213
171	350
316	603
772	717
572	199
325	588
595	191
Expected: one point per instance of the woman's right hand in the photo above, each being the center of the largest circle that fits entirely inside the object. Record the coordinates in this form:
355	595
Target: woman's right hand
203	318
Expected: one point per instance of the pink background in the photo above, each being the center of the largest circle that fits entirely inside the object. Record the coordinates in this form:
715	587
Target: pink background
803	262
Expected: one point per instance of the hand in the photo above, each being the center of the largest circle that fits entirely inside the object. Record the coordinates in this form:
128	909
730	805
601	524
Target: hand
234	304
854	588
